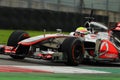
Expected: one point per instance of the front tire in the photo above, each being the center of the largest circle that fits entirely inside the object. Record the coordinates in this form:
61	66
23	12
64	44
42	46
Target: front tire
73	51
13	40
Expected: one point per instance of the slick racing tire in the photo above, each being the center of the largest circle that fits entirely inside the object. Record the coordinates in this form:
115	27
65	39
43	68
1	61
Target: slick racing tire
13	40
73	51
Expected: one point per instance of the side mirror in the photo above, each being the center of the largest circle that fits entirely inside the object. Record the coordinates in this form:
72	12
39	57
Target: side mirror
59	30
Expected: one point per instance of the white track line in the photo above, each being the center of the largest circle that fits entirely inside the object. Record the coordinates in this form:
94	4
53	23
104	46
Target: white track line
62	69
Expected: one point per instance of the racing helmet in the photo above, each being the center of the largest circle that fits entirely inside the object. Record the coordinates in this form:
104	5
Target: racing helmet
82	30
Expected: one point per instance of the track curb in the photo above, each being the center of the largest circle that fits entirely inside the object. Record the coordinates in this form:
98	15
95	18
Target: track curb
47	69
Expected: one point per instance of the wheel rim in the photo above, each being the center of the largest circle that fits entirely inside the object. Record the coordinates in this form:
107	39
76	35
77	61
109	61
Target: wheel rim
76	51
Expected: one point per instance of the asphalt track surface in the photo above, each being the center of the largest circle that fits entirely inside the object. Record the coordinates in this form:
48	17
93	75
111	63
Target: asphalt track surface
7	60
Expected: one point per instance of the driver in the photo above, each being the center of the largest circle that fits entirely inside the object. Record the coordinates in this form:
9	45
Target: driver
81	31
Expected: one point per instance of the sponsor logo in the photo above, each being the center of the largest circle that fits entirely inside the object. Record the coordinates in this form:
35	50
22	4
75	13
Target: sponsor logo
111	55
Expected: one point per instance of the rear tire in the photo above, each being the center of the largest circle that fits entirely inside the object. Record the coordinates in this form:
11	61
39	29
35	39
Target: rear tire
13	40
73	51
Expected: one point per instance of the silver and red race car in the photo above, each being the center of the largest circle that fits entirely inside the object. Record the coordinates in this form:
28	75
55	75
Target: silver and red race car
71	50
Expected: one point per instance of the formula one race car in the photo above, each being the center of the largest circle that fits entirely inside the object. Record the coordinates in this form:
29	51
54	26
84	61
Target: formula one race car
54	47
100	44
72	50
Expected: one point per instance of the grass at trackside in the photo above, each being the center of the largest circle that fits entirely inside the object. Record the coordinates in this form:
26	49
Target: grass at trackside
50	76
4	34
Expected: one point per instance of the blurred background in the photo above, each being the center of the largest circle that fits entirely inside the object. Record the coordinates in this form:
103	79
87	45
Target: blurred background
53	14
